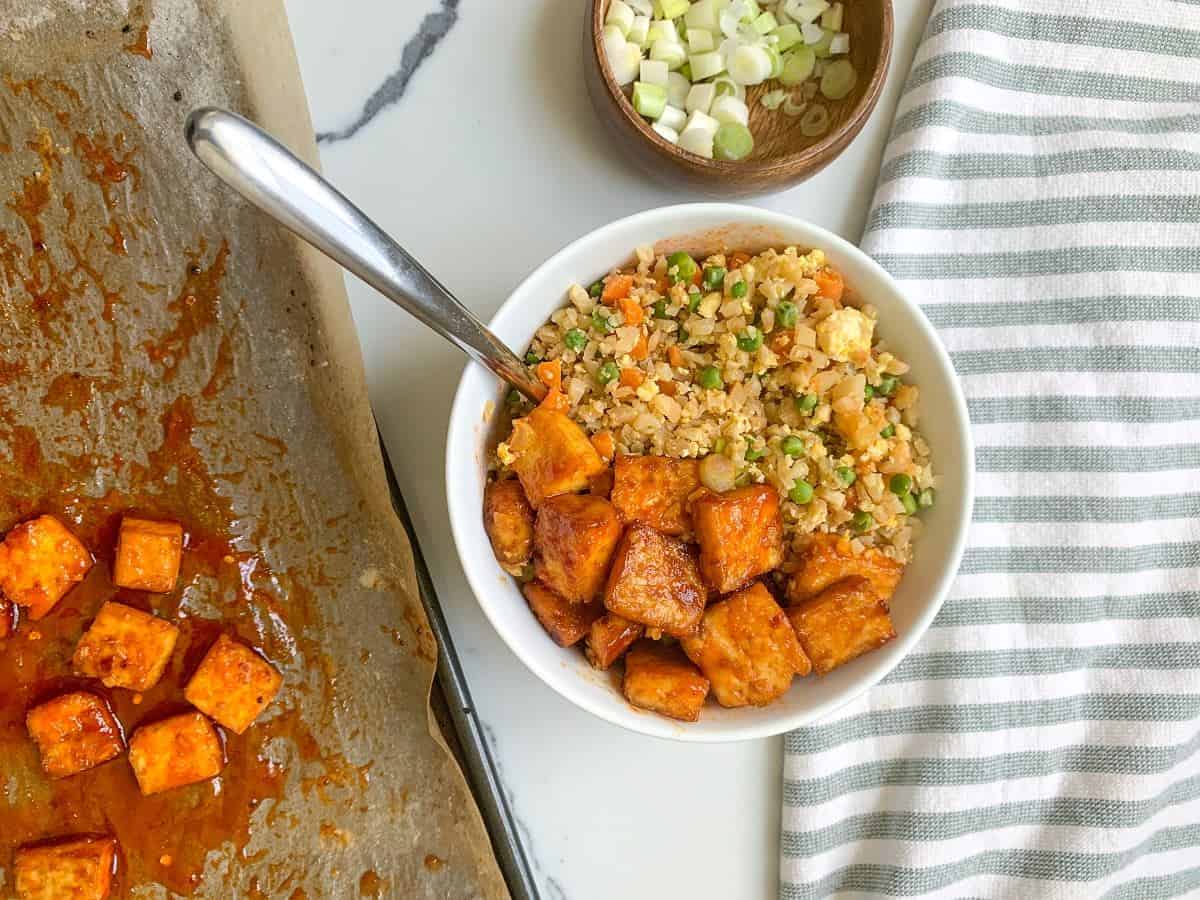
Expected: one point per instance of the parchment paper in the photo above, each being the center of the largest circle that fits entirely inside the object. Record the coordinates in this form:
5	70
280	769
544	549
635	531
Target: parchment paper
164	348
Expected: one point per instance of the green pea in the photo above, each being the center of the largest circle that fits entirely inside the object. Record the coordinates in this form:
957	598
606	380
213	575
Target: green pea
801	492
900	484
575	339
868	393
753	455
682	266
532	359
786	314
694	298
714	277
739	289
846	475
710	378
514	397
743	478
660	309
596	289
608	372
909	502
792	445
863	521
600	322
806	404
888	432
925	498
750	339
888	385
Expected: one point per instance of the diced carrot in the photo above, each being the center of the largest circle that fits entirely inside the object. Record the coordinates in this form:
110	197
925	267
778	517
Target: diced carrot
662	284
670	388
781	342
617	287
642	348
550	374
675	356
738	259
604	444
631	310
829	284
632	377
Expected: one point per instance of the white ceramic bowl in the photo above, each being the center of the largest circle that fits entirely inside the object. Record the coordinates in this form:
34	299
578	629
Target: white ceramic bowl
706	228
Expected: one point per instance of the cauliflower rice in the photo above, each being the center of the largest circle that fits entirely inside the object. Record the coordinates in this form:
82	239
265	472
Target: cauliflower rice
720	371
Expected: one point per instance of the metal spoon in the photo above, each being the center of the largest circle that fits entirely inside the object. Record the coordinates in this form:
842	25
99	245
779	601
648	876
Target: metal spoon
272	178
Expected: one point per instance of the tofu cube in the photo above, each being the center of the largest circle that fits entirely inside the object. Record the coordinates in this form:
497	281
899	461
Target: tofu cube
552	455
81	869
654	491
842	623
125	648
74	732
563	620
174	752
40	560
573	541
746	647
740	534
662	679
654	581
608	638
8	618
148	555
508	520
233	684
830	559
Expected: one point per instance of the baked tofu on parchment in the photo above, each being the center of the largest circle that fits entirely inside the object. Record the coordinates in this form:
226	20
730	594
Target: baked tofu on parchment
148	555
233	684
654	580
74	732
746	647
40	560
654	491
573	540
174	752
662	679
77	869
842	623
125	648
740	534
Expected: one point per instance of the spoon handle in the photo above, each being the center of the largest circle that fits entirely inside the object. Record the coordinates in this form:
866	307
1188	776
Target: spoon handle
272	178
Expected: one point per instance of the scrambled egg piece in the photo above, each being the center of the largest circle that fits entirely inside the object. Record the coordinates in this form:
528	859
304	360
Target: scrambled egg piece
846	335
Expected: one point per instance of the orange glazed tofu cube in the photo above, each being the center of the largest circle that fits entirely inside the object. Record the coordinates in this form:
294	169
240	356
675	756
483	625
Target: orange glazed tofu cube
181	750
654	581
233	684
830	559
126	648
747	649
844	622
608	638
574	540
148	555
654	491
7	618
74	732
563	620
552	455
508	520
740	534
662	679
79	869
39	562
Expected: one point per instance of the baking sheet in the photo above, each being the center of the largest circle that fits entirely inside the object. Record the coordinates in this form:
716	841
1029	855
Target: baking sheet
164	350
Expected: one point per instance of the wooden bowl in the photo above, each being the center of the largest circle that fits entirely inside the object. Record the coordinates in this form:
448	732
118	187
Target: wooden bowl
782	156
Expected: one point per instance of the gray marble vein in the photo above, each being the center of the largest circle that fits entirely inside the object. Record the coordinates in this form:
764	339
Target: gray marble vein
419	48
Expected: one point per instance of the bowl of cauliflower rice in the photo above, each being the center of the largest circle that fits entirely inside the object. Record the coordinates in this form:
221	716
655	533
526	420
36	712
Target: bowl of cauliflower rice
746	491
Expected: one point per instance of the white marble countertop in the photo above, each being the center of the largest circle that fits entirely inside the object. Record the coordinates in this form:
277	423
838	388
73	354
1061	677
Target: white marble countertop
463	127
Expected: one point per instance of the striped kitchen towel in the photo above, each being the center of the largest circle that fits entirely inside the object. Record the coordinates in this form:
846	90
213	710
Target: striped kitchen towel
1040	196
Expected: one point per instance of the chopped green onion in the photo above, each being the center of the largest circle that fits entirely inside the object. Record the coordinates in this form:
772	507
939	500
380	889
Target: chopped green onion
532	359
601	322
750	339
672	117
671	9
638	30
514	398
832	17
700	98
786	314
807	403
887	385
862	521
714	277
764	24
660	309
846	475
839	79
732	110
733	140
801	492
753	455
670	135
669	51
868	392
925	498
681	268
772	99
815	121
719	445
678	86
654	71
596	289
620	14
608	372
694	298
909	502
788	37
739	290
749	65
888	432
706	65
798	66
575	339
649	99
681	336
840	44
792	446
821	47
900	484
710	378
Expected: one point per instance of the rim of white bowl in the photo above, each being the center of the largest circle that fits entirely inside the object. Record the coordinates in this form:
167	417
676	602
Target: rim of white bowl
655	726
